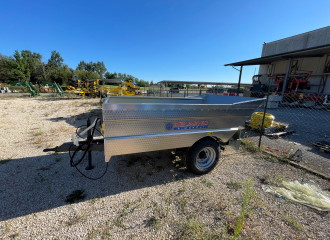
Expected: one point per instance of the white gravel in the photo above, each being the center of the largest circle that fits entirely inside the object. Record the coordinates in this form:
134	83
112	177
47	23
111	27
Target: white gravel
142	196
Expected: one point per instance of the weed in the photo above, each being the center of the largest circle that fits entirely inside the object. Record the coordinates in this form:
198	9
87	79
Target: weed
191	229
75	196
293	222
93	234
94	200
38	140
272	179
154	222
248	194
270	158
234	185
158	215
39	133
250	146
14	236
76	219
7	228
219	204
207	183
106	234
119	222
129	207
182	203
181	190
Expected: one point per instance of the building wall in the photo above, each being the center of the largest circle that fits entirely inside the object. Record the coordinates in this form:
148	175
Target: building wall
302	41
310	39
308	64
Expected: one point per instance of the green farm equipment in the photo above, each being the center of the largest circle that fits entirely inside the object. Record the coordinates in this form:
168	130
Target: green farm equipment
30	87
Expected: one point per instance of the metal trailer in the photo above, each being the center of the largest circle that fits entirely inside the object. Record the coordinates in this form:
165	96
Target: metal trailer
202	125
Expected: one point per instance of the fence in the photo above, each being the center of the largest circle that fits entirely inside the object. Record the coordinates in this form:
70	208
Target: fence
300	130
158	92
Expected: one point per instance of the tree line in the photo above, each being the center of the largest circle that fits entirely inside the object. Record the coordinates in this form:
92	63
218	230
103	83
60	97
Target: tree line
28	66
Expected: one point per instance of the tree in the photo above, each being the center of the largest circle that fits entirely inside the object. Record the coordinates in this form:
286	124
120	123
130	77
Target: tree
66	74
21	70
100	68
55	61
34	64
108	75
84	75
97	67
6	66
54	67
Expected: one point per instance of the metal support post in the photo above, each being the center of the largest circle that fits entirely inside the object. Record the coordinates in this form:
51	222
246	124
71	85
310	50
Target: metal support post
89	140
285	83
263	117
239	80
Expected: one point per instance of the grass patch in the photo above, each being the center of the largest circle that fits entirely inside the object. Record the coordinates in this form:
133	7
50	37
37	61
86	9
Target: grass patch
76	219
250	146
75	196
38	133
129	207
154	222
94	200
248	194
195	229
234	185
14	236
291	221
207	183
272	179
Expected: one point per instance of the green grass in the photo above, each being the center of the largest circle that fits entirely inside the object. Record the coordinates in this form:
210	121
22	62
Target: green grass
248	194
291	221
76	219
207	183
234	185
194	228
250	146
39	133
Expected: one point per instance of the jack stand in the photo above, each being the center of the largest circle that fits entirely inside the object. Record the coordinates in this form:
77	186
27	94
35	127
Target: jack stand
89	140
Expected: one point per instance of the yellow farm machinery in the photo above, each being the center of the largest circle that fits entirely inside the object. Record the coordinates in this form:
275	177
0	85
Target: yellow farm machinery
102	88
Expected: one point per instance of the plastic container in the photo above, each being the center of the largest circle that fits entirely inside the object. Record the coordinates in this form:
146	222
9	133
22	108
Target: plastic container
256	120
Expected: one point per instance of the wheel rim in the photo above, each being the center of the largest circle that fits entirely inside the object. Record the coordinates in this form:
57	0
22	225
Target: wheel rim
205	158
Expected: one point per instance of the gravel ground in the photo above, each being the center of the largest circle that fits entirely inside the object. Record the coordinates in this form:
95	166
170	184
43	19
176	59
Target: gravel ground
310	126
142	196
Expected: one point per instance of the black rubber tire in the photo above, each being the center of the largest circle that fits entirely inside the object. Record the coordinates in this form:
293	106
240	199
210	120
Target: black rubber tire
195	151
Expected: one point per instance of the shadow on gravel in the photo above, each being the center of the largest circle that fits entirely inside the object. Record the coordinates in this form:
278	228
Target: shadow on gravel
80	119
35	184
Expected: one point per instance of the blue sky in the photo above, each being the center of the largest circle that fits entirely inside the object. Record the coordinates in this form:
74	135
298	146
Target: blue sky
157	40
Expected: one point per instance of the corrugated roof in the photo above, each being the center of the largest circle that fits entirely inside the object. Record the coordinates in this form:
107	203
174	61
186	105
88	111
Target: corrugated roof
200	83
309	52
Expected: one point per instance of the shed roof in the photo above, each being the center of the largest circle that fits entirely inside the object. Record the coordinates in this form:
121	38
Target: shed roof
308	52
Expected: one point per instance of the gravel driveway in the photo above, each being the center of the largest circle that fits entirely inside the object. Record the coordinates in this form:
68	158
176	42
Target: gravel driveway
142	196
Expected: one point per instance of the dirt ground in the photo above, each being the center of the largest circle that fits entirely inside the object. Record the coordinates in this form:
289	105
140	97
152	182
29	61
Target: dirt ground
141	196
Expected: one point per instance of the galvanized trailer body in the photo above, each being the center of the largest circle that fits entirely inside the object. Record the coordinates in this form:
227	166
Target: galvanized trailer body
143	124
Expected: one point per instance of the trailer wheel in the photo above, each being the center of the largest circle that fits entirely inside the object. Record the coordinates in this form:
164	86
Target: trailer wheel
203	156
